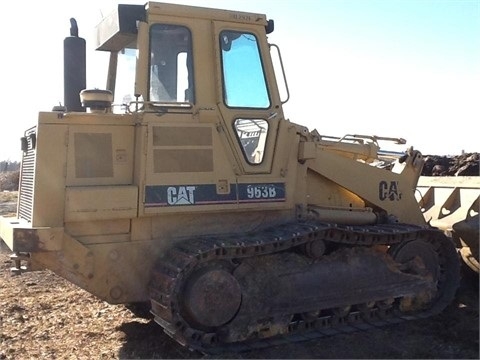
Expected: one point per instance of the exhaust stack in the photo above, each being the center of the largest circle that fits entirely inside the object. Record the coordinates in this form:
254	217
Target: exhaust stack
74	68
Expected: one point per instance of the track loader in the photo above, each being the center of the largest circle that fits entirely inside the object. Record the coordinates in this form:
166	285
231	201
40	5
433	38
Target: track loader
183	184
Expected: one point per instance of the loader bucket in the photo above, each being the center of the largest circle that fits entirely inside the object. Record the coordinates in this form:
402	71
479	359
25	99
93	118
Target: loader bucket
451	204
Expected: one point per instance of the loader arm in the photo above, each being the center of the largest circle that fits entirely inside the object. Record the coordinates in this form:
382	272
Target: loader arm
392	192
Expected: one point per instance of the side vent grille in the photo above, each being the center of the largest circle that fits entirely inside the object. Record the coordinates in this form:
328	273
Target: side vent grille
27	173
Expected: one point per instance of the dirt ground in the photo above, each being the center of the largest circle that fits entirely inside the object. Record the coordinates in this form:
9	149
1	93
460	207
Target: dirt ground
44	316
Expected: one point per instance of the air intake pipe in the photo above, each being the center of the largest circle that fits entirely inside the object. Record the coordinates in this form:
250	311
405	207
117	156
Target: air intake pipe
74	68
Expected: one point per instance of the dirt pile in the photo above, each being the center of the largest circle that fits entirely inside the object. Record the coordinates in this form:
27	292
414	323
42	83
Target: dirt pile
460	165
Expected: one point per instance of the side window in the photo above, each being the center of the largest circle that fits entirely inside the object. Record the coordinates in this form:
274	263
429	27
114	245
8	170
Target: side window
171	65
244	83
125	80
252	134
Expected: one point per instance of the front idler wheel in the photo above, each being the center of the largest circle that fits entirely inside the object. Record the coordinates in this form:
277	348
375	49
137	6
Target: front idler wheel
210	298
419	258
434	259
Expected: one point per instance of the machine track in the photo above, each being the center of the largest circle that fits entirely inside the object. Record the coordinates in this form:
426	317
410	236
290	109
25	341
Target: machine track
213	262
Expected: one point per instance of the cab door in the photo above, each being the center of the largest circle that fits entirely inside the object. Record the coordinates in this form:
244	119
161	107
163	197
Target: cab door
247	97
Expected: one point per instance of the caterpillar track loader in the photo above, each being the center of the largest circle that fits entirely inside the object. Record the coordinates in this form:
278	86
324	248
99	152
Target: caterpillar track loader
183	184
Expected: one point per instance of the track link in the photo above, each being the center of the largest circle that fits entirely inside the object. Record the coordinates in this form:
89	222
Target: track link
171	272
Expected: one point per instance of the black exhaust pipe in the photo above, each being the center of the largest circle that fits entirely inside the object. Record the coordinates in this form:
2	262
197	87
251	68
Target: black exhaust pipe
74	68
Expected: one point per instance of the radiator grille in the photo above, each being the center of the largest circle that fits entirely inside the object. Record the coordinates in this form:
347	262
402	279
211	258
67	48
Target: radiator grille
25	198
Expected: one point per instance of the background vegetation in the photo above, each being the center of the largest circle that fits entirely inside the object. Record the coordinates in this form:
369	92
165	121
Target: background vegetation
9	175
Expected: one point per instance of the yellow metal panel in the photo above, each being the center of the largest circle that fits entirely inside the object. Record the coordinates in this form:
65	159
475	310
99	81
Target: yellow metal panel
307	150
20	236
103	227
197	13
101	203
49	175
100	155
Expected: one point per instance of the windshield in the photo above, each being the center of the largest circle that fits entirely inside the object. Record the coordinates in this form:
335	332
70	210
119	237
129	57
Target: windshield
243	78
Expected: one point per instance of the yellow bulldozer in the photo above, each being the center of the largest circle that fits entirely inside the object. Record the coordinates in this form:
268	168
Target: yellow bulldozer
182	184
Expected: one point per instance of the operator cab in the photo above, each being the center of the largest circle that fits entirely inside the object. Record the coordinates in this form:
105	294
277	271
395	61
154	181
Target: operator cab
232	76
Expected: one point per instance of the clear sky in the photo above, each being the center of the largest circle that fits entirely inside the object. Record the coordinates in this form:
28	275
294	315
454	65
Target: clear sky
395	68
